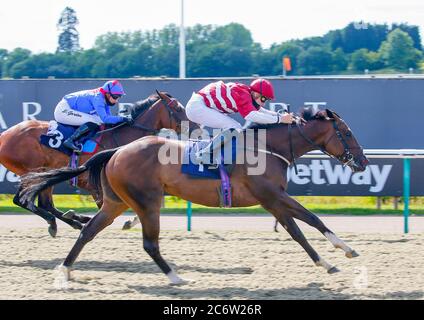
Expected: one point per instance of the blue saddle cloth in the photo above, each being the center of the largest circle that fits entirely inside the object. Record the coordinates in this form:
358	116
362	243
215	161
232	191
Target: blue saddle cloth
207	171
59	132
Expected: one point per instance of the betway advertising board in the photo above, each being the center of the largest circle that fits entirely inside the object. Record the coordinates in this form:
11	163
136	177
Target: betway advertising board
325	177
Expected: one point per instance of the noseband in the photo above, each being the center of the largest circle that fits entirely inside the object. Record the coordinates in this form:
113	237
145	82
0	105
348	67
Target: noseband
170	112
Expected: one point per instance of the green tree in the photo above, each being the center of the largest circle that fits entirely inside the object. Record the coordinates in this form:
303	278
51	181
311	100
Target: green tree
315	60
3	57
233	34
352	38
15	56
364	59
84	62
43	65
340	61
287	49
69	36
398	51
221	51
412	31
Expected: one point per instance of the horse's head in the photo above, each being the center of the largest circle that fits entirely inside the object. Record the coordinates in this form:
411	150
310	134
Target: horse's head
172	113
161	111
338	140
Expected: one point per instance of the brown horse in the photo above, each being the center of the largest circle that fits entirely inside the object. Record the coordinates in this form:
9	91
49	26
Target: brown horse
134	176
21	152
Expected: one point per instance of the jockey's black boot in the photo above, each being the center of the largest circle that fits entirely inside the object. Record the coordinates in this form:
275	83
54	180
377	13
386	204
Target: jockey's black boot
80	132
204	155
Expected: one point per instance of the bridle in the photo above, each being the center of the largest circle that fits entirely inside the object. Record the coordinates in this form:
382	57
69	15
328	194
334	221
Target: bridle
346	158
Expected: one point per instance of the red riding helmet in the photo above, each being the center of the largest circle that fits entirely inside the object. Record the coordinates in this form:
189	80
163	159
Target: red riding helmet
264	87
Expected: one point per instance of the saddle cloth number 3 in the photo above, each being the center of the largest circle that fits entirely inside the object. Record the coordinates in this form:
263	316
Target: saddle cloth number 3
56	140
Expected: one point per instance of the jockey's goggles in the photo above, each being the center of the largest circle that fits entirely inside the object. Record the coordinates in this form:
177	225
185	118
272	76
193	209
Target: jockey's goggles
115	96
264	99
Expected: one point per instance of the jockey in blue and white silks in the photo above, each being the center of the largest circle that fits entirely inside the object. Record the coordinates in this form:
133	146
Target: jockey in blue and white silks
89	108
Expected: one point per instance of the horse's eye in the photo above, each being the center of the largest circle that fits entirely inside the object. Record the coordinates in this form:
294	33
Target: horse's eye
348	134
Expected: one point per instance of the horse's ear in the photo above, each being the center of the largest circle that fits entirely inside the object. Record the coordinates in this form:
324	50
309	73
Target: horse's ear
160	95
330	113
309	113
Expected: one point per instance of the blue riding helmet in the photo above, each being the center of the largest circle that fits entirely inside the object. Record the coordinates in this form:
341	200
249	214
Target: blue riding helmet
113	87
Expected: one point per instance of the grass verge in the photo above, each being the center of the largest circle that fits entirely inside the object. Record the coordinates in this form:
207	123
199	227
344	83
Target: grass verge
360	206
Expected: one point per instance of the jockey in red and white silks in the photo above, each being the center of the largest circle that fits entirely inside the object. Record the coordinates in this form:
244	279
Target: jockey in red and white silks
211	105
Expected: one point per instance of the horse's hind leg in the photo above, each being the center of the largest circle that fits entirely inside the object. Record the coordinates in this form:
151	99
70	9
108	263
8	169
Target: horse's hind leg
104	217
147	206
296	210
131	223
71	214
276	225
150	222
50	219
45	203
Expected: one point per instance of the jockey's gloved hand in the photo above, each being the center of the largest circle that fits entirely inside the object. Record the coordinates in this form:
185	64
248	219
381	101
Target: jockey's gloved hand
286	118
302	121
128	120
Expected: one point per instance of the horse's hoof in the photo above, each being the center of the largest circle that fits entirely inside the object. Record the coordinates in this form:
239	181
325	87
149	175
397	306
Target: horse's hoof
175	280
127	225
180	282
77	225
333	270
53	230
70	214
81	218
63	273
352	254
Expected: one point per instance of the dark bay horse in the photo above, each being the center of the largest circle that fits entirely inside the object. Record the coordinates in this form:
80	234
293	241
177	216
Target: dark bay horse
21	152
133	176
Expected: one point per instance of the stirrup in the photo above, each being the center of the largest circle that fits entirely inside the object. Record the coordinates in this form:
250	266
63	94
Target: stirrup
71	145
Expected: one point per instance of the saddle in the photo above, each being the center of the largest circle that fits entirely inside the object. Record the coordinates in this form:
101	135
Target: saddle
57	133
214	170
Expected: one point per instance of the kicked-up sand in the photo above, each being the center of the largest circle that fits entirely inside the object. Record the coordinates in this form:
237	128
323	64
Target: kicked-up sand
222	264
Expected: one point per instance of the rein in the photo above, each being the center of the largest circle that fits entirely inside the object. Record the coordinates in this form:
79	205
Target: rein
139	126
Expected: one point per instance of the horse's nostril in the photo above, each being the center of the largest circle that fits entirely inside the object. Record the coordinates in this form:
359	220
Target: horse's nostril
364	162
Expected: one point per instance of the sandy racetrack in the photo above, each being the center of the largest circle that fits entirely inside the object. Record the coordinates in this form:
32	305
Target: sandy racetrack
223	264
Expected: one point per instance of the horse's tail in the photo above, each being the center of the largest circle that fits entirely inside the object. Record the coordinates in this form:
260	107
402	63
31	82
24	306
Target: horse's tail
33	183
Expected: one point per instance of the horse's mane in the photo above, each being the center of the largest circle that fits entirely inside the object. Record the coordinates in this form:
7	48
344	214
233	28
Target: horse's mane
307	113
141	106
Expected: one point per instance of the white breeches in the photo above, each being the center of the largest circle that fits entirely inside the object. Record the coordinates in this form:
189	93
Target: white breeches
197	111
64	114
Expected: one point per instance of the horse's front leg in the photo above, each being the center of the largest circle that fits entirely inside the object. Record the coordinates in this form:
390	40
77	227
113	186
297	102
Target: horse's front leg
296	210
292	228
270	195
